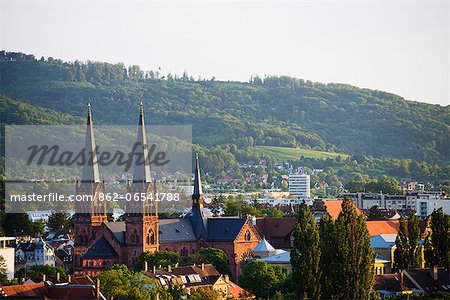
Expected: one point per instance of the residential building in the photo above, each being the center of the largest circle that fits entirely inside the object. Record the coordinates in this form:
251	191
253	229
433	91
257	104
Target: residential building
39	215
299	185
193	277
35	253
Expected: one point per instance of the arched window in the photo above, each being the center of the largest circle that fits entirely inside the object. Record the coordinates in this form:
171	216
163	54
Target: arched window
150	237
247	236
184	252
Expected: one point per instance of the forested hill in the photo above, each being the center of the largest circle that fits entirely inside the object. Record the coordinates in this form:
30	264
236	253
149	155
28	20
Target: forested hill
275	111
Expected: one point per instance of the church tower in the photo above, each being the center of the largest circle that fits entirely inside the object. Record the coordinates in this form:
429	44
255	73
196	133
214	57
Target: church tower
89	214
142	216
196	214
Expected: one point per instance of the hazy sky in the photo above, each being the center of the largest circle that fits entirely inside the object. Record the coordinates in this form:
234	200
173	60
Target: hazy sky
396	46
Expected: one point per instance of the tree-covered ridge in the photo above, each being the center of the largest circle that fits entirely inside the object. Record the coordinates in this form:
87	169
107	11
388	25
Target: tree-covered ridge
274	111
19	113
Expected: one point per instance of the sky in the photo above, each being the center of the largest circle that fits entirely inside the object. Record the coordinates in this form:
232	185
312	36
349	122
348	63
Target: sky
399	46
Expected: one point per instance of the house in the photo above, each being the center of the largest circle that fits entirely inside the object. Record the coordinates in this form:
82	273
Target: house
35	253
194	277
392	285
429	280
384	246
99	243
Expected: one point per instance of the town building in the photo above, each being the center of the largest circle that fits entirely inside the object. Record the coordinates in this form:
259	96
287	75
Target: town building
299	185
193	277
99	243
38	252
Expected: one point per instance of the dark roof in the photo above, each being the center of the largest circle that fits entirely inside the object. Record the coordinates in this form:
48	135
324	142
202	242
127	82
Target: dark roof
175	230
224	229
275	227
390	283
118	230
101	249
197	217
424	278
25	247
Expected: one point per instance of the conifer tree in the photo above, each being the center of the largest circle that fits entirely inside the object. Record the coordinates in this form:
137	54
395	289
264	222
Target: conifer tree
353	258
439	242
305	256
408	251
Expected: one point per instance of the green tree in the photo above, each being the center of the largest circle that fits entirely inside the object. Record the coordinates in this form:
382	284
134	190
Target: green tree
407	253
156	259
205	293
438	253
3	271
258	278
346	248
375	213
58	220
35	272
214	256
305	256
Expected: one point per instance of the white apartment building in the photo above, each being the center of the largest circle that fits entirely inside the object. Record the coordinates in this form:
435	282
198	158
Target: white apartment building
7	252
422	202
36	253
299	185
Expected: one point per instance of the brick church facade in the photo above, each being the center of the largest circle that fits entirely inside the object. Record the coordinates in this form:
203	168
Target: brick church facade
100	244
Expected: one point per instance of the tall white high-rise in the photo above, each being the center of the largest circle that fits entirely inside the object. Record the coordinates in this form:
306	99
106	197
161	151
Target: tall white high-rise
299	185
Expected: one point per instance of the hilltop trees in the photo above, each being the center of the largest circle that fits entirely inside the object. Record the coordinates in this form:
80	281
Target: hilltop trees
305	256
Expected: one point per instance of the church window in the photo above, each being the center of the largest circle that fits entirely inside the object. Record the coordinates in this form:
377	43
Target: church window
150	237
247	235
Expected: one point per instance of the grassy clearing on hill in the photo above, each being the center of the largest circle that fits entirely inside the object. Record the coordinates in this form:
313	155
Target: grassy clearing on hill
285	153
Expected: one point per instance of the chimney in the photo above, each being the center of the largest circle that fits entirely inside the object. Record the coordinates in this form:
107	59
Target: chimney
145	266
154	269
58	277
400	274
176	265
44	277
227	278
69	278
97	289
203	266
169	268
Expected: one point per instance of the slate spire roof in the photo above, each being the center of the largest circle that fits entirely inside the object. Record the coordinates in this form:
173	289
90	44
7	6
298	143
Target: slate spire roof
90	173
198	192
142	166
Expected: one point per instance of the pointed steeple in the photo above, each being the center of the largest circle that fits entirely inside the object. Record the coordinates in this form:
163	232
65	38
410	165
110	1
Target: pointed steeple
142	165
90	171
197	195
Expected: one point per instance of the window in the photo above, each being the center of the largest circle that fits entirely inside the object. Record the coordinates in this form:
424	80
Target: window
247	236
134	239
150	237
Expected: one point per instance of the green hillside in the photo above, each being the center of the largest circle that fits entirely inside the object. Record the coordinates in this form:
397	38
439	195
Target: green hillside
284	153
274	111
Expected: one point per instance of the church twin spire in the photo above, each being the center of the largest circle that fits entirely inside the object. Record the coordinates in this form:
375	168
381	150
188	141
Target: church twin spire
90	173
142	167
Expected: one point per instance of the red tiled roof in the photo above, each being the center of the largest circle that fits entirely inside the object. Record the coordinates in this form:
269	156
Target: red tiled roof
334	208
82	279
236	292
25	290
383	227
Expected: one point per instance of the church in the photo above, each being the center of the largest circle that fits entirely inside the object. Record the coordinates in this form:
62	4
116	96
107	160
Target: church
100	244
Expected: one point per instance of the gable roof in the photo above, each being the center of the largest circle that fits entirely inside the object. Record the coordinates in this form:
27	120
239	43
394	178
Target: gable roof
390	284
423	279
224	229
101	249
383	227
175	230
334	208
118	230
281	257
275	227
